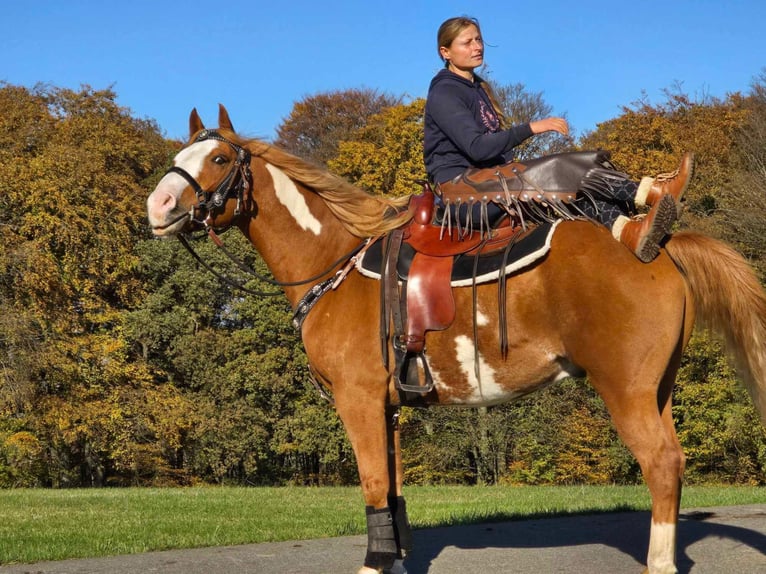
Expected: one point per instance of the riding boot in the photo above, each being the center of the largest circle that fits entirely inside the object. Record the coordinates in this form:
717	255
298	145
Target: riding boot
651	189
642	235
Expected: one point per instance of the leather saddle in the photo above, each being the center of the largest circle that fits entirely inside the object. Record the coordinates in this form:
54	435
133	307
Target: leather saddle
441	246
419	265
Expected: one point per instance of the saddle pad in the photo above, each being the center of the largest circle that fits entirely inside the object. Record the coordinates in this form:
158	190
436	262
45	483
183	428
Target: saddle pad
523	254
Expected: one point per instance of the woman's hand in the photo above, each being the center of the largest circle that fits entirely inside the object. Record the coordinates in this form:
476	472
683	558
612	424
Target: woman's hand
559	125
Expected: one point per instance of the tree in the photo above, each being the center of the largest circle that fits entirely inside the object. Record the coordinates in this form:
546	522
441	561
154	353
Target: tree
743	208
236	358
386	155
72	166
318	123
521	106
649	139
717	423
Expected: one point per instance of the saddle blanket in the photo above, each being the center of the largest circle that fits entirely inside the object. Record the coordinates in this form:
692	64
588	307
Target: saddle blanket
522	254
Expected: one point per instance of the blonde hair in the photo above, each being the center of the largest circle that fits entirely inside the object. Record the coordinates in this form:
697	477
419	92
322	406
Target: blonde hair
448	31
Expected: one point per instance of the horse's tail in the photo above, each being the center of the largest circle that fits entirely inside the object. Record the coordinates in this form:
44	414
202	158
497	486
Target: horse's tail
728	299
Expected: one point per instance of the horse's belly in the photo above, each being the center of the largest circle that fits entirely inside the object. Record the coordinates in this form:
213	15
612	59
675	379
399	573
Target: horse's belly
457	379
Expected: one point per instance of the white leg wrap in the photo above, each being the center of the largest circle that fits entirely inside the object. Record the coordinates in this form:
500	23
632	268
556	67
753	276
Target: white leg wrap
662	549
618	225
643	190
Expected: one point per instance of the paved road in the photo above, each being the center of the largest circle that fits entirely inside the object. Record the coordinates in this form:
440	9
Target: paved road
711	541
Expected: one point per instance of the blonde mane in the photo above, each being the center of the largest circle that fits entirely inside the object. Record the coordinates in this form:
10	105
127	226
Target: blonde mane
360	212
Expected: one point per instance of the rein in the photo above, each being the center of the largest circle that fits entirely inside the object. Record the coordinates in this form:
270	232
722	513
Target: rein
351	255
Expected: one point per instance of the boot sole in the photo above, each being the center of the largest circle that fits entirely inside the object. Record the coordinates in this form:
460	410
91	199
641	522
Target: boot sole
666	216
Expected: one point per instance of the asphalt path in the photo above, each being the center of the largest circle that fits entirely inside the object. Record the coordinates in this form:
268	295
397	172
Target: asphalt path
717	540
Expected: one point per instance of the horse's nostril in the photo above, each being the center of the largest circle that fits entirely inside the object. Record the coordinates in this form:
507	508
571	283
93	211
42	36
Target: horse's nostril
162	202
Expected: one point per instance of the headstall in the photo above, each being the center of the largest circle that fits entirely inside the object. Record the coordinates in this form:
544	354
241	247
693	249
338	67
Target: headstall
236	183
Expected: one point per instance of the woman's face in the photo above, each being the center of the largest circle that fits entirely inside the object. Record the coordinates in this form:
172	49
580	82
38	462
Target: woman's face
466	51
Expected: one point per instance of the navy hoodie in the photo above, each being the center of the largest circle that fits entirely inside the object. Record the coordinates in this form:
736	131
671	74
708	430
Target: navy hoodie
462	129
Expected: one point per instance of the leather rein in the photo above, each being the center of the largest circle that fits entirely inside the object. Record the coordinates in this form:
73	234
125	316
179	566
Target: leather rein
238	183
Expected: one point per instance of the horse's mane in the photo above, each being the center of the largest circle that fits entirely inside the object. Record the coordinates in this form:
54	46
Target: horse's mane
361	213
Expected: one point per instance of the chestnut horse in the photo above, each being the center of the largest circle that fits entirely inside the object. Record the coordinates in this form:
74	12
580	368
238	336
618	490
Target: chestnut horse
589	308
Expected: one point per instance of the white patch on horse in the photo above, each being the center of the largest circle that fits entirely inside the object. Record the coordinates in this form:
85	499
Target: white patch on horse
481	319
566	368
164	200
662	544
191	160
486	390
289	196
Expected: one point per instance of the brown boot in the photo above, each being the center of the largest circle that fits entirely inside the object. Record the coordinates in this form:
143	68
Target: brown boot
650	190
643	236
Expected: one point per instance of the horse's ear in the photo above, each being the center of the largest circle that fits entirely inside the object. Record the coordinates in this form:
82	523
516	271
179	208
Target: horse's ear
223	118
195	123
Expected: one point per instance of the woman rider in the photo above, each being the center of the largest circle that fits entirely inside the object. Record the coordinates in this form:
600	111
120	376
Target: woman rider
464	128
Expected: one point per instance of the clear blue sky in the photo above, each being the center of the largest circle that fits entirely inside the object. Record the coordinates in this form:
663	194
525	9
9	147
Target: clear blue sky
588	58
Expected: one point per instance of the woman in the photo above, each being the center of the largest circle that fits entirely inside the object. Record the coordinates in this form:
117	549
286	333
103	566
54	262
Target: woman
464	128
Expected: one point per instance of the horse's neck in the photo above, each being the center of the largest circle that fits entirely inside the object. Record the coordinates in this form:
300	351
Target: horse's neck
298	238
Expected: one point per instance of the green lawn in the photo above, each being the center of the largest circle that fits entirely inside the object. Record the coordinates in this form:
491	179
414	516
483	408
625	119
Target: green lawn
38	524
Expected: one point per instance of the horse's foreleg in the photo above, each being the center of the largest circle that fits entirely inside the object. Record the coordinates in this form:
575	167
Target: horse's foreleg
364	418
396	502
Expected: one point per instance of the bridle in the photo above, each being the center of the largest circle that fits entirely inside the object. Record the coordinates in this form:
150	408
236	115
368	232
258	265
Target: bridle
237	183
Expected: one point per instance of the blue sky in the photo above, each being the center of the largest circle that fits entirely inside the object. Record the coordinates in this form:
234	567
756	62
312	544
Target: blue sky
587	58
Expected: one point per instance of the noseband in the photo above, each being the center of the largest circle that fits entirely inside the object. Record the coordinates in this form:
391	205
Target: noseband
236	183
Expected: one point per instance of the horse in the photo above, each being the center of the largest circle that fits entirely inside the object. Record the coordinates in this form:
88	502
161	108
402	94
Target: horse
589	308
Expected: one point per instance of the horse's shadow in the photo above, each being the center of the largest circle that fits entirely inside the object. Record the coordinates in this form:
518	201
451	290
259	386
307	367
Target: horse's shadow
627	532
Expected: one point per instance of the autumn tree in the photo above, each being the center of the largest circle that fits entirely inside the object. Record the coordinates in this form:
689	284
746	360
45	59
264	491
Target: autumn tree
74	168
743	206
711	410
522	106
318	123
650	139
386	155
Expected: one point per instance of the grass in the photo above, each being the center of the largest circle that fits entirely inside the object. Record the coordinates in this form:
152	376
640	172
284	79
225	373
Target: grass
38	525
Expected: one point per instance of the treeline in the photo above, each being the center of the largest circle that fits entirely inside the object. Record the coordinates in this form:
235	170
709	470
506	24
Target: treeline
122	362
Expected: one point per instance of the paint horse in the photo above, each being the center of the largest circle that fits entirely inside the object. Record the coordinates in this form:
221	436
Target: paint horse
588	308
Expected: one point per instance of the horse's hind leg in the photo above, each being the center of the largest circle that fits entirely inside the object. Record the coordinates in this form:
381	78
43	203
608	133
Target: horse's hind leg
642	416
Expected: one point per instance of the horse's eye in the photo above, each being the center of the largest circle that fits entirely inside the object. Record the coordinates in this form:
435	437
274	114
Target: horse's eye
220	159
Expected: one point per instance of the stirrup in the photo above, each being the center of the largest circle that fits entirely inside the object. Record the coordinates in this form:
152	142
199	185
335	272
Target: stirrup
408	373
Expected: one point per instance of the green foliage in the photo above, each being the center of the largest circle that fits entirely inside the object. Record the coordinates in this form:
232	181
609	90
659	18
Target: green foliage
386	155
715	419
123	362
38	524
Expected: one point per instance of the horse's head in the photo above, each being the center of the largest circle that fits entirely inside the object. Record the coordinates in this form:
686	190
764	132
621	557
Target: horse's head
208	183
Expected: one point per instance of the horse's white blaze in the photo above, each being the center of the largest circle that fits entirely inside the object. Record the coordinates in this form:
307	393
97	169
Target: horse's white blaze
172	184
662	549
192	158
289	196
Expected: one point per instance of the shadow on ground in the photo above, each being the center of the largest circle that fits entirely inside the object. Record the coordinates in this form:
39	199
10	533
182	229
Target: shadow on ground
627	533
